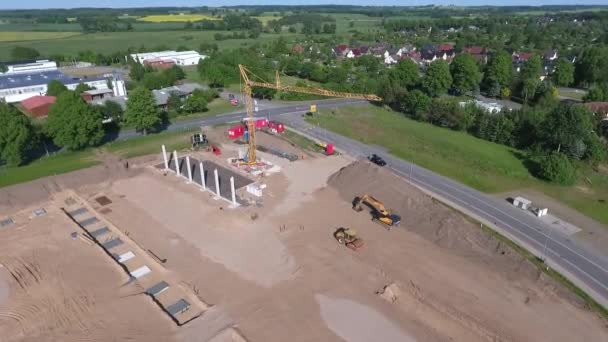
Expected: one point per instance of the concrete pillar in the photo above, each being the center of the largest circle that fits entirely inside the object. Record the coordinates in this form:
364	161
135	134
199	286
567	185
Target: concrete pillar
233	192
166	160
189	169
217	183
203	185
176	163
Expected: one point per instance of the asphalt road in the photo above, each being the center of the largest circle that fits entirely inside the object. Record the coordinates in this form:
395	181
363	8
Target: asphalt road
588	269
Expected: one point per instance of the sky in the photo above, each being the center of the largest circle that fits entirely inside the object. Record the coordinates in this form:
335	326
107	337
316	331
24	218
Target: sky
7	4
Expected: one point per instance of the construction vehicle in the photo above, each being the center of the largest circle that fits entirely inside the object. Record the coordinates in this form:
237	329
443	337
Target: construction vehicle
379	212
349	238
249	83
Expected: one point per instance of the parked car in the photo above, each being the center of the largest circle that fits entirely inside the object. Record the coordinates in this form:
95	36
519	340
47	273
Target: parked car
376	159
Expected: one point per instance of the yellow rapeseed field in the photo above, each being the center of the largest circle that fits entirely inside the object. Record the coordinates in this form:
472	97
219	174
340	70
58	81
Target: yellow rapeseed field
14	36
176	18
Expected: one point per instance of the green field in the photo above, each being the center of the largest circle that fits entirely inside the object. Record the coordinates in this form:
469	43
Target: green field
47	166
176	18
483	165
120	41
21	36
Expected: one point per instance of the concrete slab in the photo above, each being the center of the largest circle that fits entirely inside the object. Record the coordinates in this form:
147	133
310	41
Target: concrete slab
78	211
157	288
179	307
88	221
100	232
112	243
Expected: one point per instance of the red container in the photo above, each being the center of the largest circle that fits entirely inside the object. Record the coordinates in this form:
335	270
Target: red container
329	149
276	126
259	122
236	132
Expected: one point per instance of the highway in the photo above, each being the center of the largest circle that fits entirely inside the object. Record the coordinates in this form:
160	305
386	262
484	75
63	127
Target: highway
588	269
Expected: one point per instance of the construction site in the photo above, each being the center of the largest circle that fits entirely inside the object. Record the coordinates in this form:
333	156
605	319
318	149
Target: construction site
254	238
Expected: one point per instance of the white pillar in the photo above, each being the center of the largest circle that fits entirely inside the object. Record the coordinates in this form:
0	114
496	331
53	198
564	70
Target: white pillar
176	163
203	186
217	183
189	169
165	157
233	192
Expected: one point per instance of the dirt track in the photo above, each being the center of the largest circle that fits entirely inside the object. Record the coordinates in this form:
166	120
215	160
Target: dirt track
275	271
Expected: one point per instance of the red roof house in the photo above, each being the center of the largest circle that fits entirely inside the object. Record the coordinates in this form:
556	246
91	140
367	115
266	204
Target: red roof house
38	106
445	47
474	50
297	48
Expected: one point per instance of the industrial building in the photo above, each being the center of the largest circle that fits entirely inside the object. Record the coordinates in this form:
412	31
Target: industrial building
18	87
181	58
29	66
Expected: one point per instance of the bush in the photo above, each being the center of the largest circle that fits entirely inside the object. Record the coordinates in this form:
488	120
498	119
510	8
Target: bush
557	168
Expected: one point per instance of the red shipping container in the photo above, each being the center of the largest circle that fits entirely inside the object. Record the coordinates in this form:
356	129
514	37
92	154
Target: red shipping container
276	126
236	132
259	123
329	149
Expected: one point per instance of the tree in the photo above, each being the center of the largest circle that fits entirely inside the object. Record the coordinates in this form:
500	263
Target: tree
263	93
174	104
137	72
591	66
73	124
465	73
531	68
3	68
405	74
81	88
529	88
566	127
21	53
416	103
111	111
437	80
557	168
563	75
499	71
597	93
16	135
197	102
142	112
55	88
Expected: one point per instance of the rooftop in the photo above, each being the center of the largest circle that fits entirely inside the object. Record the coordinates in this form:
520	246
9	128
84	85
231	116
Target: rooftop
34	79
37	101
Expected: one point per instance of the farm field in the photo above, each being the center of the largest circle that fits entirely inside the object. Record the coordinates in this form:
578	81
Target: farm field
118	41
176	18
483	165
21	36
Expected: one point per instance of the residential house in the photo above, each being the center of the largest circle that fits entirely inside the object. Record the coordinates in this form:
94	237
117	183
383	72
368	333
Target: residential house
403	51
341	50
520	58
550	55
478	52
297	48
598	108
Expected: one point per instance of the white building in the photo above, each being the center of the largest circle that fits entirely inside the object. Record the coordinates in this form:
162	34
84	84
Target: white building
18	87
182	58
33	66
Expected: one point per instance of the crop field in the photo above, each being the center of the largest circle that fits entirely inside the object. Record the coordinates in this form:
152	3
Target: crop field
176	18
20	36
266	18
109	42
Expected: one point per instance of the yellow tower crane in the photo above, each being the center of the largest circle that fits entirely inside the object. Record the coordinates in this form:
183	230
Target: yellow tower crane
248	84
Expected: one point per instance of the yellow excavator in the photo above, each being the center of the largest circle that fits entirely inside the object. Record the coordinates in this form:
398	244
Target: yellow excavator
379	212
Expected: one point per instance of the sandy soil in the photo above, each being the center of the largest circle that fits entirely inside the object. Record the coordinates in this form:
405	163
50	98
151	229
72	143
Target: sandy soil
62	289
274	272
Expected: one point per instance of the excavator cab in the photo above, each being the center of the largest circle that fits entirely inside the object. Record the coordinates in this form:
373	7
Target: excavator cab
379	212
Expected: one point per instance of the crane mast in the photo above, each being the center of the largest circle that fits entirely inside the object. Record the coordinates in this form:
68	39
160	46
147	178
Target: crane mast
247	93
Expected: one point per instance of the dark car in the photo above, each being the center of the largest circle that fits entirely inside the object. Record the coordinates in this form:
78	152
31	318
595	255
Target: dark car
376	159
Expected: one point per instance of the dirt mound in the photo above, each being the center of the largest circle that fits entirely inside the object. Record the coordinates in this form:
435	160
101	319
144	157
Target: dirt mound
419	212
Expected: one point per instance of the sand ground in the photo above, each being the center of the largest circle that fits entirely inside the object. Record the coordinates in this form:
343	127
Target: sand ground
274	272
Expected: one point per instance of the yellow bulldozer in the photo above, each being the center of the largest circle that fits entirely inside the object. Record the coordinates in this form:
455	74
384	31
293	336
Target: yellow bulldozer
379	212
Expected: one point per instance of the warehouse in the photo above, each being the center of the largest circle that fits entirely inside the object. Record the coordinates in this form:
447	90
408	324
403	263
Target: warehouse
29	66
18	87
182	58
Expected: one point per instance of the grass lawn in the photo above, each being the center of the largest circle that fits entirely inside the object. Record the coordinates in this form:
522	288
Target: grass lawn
483	165
301	141
19	36
72	161
150	144
47	166
215	107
